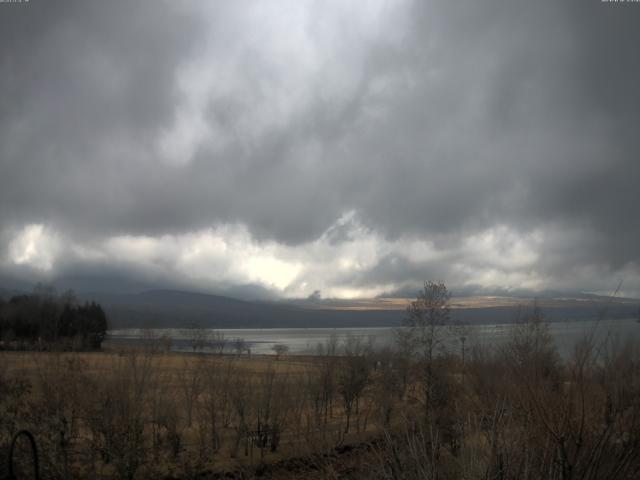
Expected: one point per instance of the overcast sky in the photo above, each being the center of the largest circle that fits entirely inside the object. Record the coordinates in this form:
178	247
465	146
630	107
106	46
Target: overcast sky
354	148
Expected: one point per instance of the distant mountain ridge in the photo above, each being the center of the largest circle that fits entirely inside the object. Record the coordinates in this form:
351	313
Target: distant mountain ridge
179	308
175	308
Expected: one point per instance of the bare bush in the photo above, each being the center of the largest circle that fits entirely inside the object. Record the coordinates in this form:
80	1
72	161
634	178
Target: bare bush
280	349
197	337
218	342
353	376
272	409
215	405
115	413
190	382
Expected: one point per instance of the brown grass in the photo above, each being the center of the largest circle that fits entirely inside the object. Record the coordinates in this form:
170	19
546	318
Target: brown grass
517	412
169	378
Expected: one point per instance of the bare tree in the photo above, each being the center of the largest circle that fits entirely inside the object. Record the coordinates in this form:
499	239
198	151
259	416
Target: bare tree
60	385
215	408
327	357
190	382
353	376
242	404
425	331
280	349
239	345
271	410
197	337
218	342
389	384
115	413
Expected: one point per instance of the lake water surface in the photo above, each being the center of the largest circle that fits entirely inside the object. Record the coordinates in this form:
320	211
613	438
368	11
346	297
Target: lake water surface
305	340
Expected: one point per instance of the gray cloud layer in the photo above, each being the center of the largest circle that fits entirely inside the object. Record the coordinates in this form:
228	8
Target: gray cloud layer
445	123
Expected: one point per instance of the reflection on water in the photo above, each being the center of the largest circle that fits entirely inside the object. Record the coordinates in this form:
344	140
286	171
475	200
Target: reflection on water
305	340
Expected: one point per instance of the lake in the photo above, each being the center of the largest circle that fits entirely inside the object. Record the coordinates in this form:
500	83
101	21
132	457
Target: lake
305	340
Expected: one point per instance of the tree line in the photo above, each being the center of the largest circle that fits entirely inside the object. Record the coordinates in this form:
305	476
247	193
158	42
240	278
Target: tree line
44	320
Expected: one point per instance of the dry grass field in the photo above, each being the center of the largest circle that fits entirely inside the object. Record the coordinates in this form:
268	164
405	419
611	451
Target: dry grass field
514	412
140	412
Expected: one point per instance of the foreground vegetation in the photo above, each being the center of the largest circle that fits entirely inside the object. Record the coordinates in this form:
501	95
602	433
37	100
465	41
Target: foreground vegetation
418	411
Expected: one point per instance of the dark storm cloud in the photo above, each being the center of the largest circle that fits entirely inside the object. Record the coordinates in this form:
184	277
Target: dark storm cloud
85	87
513	127
442	121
